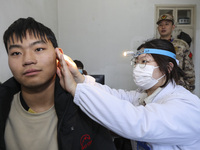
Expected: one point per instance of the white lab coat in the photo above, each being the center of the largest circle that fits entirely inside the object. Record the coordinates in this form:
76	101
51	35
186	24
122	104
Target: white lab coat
170	122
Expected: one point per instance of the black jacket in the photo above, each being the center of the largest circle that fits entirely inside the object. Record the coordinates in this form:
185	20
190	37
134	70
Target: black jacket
75	130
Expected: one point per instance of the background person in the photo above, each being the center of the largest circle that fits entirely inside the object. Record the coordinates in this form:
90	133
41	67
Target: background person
183	54
80	67
160	114
36	113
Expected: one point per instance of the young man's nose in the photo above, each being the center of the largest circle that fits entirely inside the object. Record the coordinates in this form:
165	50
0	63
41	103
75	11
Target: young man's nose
29	58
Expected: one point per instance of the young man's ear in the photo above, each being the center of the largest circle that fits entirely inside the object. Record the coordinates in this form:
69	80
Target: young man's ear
61	51
170	66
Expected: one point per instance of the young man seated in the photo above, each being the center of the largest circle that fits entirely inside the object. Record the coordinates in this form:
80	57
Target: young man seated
36	113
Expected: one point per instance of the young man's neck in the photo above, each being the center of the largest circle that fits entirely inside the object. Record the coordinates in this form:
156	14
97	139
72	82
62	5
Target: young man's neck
39	99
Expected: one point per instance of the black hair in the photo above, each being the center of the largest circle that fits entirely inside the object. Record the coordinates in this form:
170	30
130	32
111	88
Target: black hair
20	27
79	64
163	61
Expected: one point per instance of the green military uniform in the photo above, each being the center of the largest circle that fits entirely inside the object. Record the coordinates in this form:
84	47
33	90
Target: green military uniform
184	55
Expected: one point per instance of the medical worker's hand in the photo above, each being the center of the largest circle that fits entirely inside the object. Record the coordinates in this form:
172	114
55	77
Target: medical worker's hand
68	72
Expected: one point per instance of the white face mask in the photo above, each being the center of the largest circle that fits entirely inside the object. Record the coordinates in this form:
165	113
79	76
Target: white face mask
143	76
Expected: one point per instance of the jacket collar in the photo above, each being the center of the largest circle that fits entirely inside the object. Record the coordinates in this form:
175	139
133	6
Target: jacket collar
63	101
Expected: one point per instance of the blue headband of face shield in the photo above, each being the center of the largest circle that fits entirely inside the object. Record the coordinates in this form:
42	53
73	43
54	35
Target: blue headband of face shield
155	51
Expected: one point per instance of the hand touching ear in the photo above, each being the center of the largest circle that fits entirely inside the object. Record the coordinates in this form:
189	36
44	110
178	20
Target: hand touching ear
65	70
78	77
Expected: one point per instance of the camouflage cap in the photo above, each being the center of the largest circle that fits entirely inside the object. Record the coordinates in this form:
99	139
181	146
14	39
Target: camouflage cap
165	17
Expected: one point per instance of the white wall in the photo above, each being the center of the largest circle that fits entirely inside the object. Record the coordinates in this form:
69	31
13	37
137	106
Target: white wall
97	31
11	10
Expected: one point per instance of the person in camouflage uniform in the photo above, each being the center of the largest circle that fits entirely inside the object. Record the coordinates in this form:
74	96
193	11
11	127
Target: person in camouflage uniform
183	54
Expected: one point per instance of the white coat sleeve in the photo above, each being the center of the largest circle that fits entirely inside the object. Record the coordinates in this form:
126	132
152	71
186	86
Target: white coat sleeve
101	106
131	96
159	123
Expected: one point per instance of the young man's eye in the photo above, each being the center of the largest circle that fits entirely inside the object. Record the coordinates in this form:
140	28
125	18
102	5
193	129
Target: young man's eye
15	53
39	49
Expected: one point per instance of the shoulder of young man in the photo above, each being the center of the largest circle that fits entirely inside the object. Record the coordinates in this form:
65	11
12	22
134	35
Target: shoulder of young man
7	90
11	86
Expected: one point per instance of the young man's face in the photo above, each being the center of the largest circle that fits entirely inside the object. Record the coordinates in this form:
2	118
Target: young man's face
32	62
165	28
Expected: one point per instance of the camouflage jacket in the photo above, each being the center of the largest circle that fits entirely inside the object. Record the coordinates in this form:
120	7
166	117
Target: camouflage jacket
184	55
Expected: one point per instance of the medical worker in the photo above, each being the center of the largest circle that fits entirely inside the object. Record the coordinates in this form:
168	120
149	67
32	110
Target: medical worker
160	114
